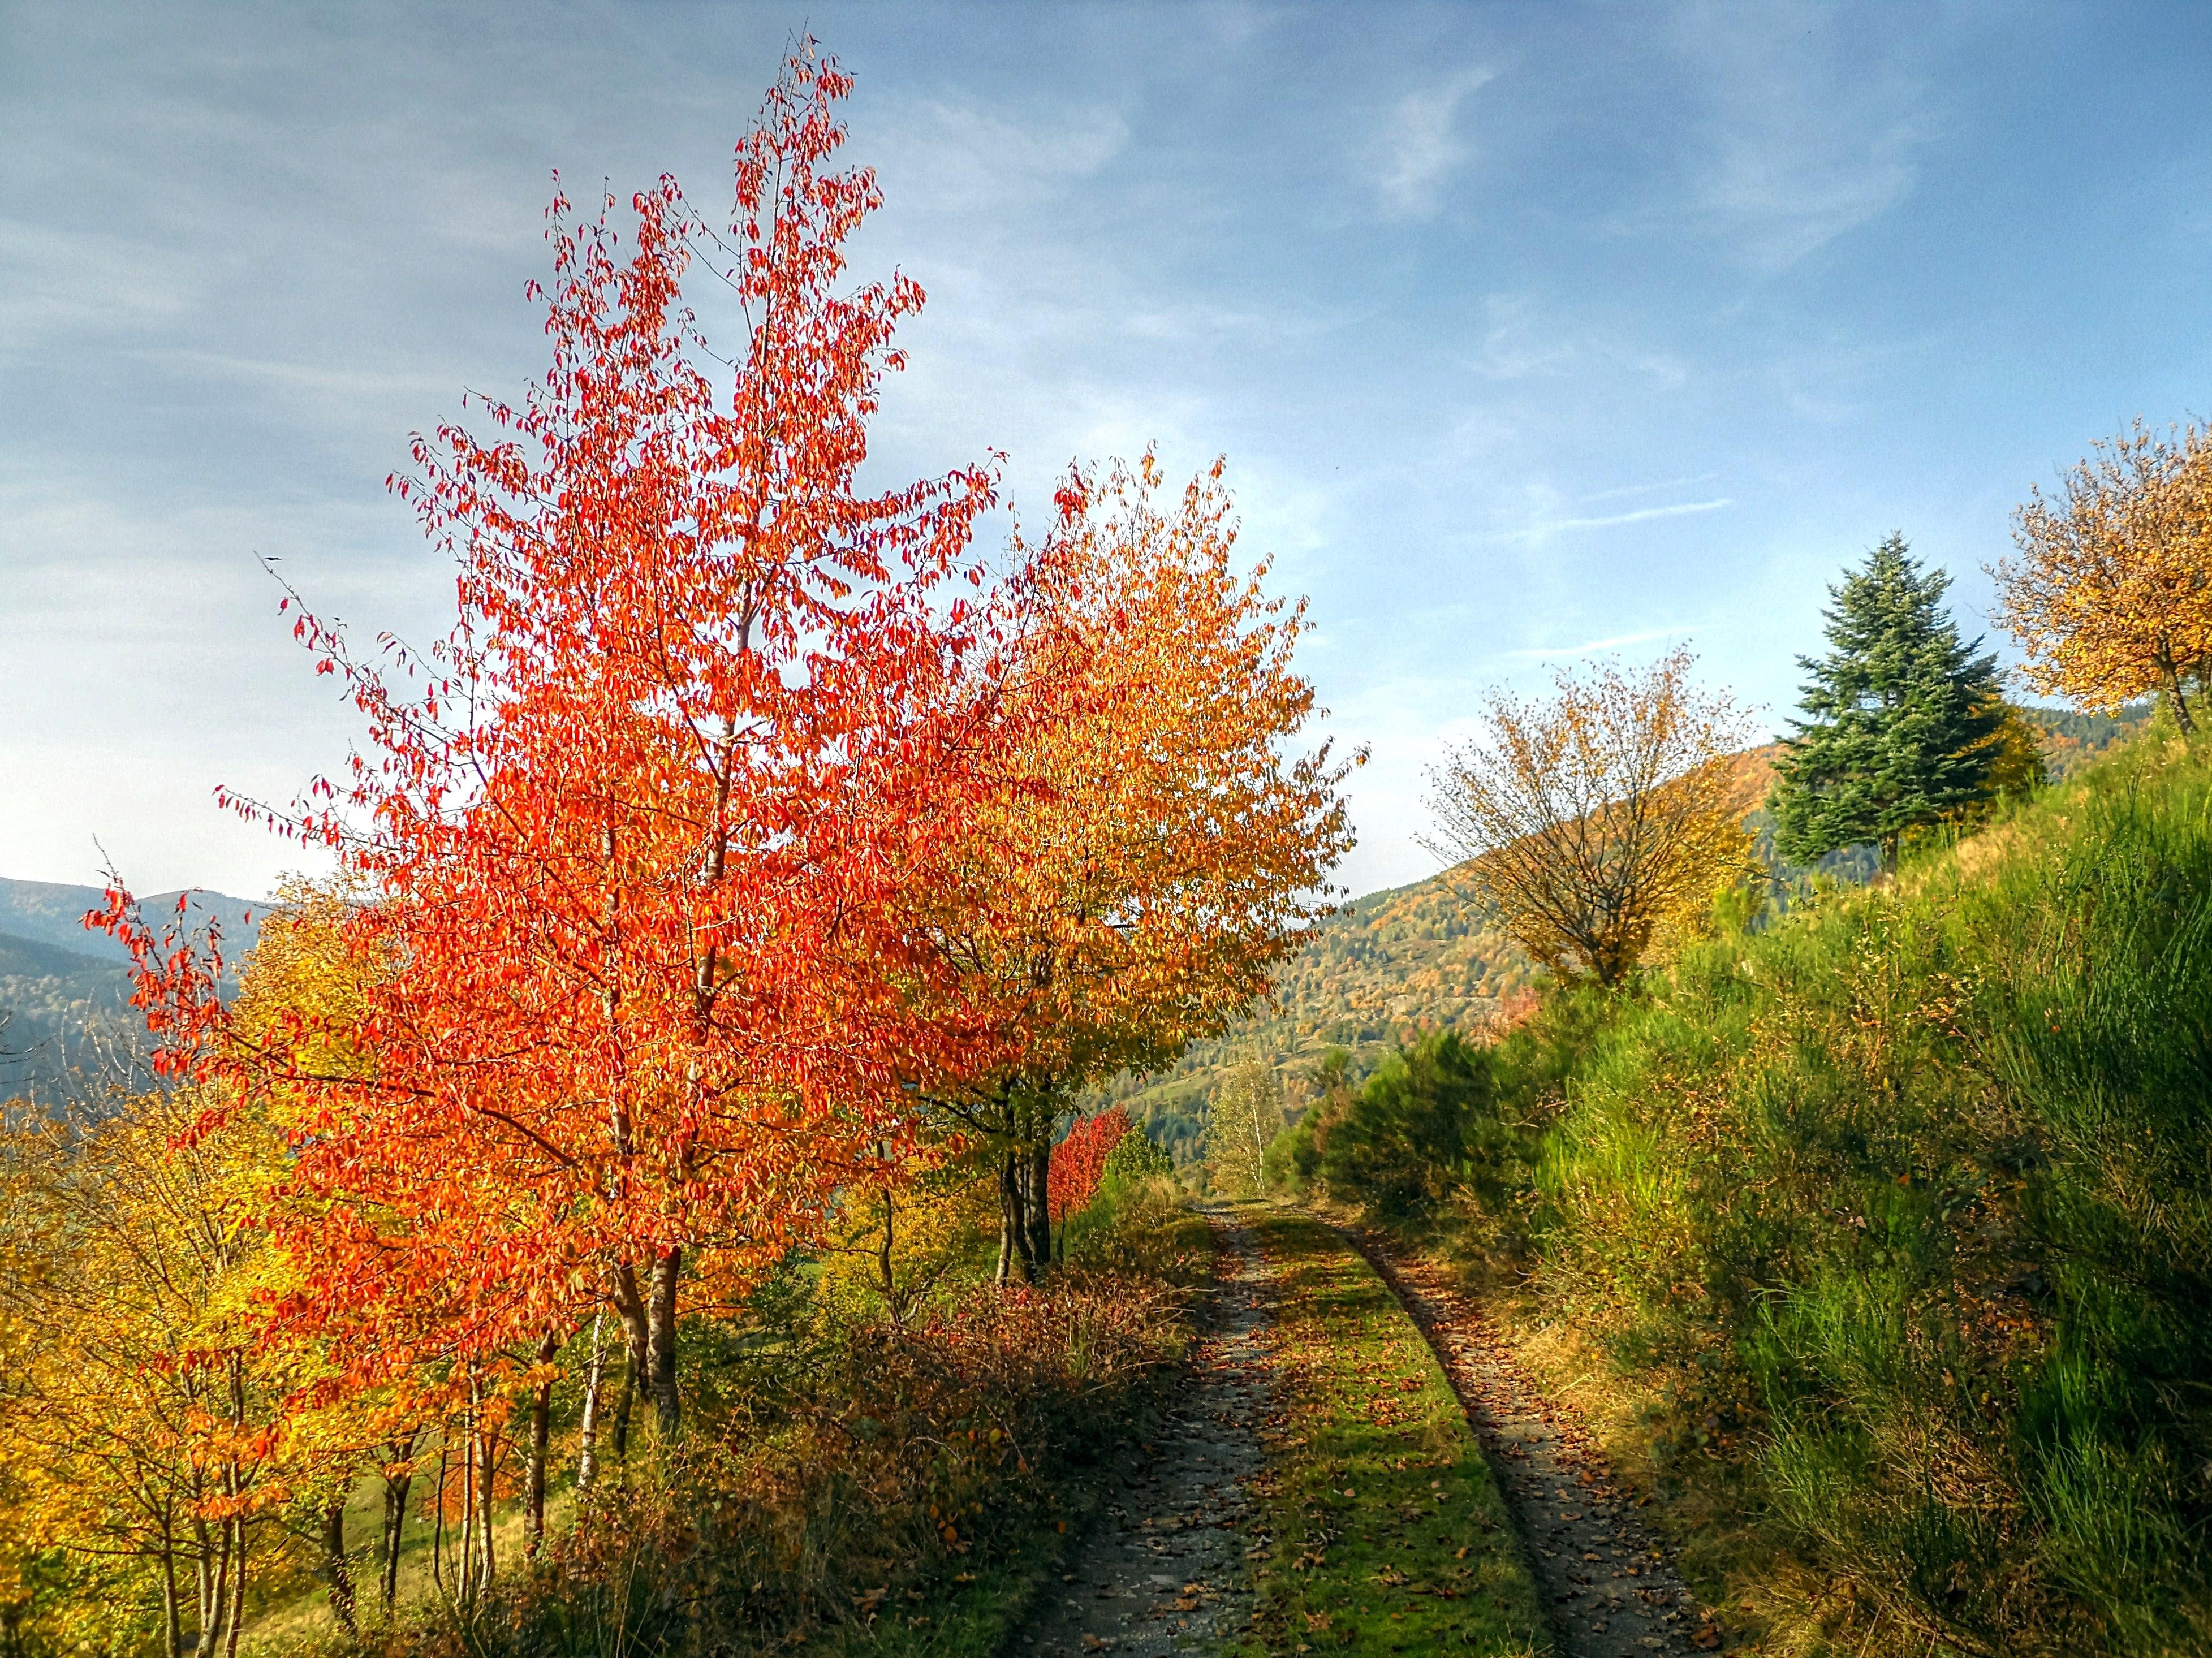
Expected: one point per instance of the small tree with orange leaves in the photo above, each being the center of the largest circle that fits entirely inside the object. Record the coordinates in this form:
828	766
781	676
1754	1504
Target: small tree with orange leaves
1601	819
633	850
1156	837
2110	596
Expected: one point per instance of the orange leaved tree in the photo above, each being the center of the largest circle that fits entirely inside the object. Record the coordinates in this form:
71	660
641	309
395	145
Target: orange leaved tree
1155	837
1079	1159
632	841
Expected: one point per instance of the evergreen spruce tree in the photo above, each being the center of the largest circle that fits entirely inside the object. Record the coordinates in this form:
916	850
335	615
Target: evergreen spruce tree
1900	718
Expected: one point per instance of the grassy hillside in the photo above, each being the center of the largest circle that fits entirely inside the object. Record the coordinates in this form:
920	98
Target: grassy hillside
1882	1238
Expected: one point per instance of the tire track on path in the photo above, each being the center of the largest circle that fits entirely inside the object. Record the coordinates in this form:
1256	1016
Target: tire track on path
1609	1586
1163	1569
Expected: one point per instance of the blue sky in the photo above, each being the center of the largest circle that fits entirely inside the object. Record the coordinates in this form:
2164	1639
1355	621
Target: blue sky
1530	332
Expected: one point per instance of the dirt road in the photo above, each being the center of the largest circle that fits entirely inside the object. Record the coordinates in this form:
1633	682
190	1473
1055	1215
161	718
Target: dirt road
1608	1585
1163	1571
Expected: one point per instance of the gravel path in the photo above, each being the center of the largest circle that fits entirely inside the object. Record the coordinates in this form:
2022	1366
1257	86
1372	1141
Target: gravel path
1608	1585
1165	1570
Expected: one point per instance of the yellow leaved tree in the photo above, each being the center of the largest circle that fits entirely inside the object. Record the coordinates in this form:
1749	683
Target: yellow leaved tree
1602	820
141	1418
2110	596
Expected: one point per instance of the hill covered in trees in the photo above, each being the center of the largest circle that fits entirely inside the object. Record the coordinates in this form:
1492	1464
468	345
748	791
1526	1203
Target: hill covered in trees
1391	965
64	992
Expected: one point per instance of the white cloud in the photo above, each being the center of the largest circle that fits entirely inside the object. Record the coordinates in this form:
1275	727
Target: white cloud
1421	147
1808	132
1640	515
58	280
1593	647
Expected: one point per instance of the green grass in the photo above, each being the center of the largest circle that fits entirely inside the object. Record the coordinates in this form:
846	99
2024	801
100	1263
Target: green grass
1892	1225
1388	1533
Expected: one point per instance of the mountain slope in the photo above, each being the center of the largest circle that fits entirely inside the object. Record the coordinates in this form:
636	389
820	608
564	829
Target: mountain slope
1388	966
64	992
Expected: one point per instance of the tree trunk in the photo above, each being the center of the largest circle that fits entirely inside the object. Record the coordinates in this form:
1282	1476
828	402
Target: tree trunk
1009	1220
173	1632
203	1572
625	1402
215	1612
660	1343
395	1523
888	1280
237	1590
541	1433
1039	1203
637	1329
465	1552
339	1568
438	1523
1016	1238
488	1452
2181	715
588	1432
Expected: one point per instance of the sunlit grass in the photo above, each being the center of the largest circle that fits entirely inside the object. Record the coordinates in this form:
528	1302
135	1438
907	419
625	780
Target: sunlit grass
1388	1531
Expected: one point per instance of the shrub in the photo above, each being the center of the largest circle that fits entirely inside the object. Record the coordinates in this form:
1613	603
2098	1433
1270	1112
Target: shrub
1904	1206
844	1472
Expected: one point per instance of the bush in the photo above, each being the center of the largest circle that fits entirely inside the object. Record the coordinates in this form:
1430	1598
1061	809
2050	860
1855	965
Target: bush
1904	1206
848	1472
1432	1117
1137	1224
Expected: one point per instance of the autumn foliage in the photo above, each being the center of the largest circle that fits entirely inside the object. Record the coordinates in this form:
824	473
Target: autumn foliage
1602	820
1079	1160
2111	596
752	861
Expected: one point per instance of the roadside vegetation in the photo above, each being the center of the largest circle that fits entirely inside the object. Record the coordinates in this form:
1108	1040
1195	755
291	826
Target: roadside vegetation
643	1190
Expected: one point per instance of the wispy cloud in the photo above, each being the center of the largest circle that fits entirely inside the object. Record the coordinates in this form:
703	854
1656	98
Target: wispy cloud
1641	514
1421	147
1623	492
1806	137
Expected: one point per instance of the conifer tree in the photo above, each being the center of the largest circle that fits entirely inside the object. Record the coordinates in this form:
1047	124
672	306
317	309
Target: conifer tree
1902	719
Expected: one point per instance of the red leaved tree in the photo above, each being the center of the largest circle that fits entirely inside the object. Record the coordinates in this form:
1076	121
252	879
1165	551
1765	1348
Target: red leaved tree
633	839
1079	1160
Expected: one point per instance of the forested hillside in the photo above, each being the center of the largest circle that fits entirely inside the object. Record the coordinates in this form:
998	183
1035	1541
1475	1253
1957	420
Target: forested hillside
1393	964
64	991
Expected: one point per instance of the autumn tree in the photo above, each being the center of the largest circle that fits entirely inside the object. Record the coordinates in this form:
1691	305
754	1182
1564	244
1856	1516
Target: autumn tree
1903	724
2110	596
1601	819
142	1419
1156	837
1242	1120
1078	1161
640	826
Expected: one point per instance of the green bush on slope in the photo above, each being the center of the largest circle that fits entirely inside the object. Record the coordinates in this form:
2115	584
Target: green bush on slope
1911	1196
1903	1207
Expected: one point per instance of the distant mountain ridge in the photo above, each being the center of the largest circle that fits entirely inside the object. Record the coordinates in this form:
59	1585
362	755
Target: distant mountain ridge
53	912
61	984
